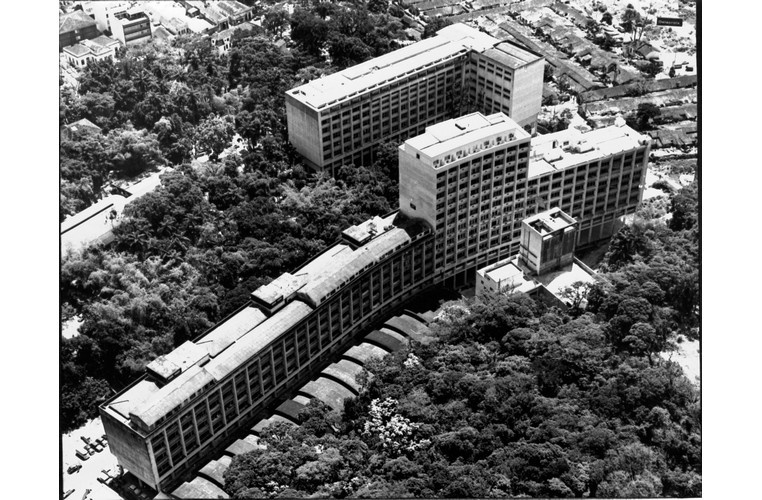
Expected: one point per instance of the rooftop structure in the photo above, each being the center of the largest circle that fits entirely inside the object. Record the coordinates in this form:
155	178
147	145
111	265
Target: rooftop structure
452	41
545	265
86	51
325	274
79	128
549	221
547	240
457	138
76	20
278	336
505	276
571	147
94	224
75	27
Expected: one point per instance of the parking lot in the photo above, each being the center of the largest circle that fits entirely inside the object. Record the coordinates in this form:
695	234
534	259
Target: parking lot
93	468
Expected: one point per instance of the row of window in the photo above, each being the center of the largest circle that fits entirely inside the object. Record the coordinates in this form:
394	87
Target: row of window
221	409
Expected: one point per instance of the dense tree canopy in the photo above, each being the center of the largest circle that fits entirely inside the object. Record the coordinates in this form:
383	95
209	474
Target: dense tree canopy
515	399
223	227
510	400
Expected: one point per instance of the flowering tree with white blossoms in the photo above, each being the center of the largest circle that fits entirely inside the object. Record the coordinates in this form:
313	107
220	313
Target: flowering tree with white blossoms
395	433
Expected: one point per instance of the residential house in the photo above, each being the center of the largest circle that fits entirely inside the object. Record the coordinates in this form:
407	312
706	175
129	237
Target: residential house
75	27
81	54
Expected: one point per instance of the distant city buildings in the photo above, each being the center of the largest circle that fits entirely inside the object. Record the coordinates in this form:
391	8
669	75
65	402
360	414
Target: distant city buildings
341	118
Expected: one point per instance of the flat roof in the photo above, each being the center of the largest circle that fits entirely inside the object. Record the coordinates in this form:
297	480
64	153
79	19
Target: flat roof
256	339
91	224
241	336
230	330
571	147
464	131
133	398
449	42
557	280
365	230
511	55
508	275
353	263
178	360
172	395
550	221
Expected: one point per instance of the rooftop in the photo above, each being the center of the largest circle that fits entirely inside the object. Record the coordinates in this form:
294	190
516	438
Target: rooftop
177	361
348	264
556	281
104	41
571	147
366	230
509	276
94	223
78	49
511	55
450	42
76	20
242	335
82	124
468	131
149	405
550	221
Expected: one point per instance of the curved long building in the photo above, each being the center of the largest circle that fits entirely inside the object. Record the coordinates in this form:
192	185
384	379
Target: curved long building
191	402
465	186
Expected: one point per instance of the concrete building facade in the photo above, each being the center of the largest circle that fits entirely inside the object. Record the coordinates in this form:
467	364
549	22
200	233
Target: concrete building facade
465	186
596	177
548	240
193	400
463	176
474	179
343	117
131	27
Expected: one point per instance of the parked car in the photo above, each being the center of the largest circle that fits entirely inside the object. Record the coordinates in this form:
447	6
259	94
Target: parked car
68	492
82	455
74	468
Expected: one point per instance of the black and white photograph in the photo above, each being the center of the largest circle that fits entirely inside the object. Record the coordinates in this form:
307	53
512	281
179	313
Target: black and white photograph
382	249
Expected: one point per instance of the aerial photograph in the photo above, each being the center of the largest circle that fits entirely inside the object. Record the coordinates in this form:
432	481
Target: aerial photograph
379	249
